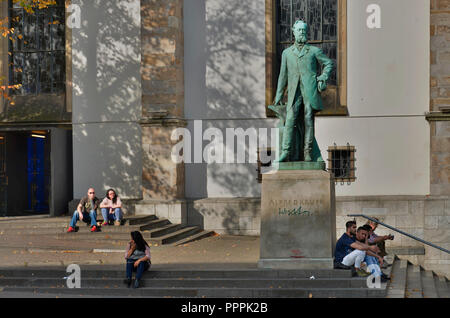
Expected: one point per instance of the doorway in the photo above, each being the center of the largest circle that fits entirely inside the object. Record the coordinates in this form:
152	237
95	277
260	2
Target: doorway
38	172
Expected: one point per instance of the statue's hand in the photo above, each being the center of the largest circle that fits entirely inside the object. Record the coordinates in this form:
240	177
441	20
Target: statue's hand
321	85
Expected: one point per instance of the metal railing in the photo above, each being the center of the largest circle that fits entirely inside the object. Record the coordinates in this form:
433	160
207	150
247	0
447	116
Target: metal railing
399	231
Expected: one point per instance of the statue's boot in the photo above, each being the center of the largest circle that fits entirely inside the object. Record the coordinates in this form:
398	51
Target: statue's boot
287	144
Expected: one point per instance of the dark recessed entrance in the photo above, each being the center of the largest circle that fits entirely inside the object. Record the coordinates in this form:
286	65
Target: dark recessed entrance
35	172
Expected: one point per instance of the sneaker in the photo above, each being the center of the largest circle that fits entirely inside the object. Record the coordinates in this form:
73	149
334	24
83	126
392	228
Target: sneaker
71	229
362	273
94	229
105	223
117	223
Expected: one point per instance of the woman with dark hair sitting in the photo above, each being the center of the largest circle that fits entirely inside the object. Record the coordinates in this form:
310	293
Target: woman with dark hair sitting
111	207
138	258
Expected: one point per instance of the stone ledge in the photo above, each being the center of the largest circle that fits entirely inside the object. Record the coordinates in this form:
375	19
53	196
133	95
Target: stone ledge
408	250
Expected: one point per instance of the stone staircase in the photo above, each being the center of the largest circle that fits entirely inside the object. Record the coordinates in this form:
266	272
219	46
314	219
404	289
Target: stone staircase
408	281
191	283
412	281
154	230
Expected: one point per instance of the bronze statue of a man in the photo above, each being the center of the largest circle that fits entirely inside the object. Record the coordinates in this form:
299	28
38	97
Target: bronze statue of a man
299	67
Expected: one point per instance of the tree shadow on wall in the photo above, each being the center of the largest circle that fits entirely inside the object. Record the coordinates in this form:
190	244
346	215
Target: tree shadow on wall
107	97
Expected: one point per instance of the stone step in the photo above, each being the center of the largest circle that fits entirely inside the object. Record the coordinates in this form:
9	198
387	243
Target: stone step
98	236
287	283
442	287
195	237
397	286
406	250
157	223
64	221
176	236
413	282
60	272
167	229
210	292
82	228
428	285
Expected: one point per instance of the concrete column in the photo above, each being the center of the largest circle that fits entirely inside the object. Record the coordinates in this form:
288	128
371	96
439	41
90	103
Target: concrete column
106	59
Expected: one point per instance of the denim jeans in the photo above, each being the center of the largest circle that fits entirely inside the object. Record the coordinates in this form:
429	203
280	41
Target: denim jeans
87	217
373	265
117	216
143	266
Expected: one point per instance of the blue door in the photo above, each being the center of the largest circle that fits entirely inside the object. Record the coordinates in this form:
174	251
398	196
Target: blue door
37	194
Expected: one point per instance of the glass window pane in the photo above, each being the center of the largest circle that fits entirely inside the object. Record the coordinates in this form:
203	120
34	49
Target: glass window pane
59	67
329	20
330	50
57	26
299	10
45	76
315	19
30	72
38	55
16	72
16	23
44	32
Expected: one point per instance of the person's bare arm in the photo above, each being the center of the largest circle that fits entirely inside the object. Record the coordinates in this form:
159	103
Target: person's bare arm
381	238
80	213
132	249
104	205
359	246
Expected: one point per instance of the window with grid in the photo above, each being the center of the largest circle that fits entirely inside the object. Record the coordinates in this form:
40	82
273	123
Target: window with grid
341	162
321	17
37	49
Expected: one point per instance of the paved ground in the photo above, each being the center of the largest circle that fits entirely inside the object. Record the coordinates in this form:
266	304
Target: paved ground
19	248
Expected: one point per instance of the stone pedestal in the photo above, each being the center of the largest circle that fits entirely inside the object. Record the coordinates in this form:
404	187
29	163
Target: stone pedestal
298	220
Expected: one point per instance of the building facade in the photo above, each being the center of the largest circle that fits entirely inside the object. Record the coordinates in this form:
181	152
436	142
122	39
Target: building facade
133	71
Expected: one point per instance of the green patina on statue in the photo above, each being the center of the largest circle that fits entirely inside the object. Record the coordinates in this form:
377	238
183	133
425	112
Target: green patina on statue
299	67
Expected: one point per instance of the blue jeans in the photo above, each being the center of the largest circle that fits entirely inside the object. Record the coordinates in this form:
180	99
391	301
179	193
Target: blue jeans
143	266
373	265
87	217
117	216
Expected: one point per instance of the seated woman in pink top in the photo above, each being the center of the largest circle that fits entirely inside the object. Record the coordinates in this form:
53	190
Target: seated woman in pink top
111	207
138	258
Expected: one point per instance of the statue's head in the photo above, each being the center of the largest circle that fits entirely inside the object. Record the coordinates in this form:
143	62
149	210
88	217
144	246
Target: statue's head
300	30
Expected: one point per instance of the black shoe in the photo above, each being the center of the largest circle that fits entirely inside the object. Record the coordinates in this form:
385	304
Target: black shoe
384	276
127	282
136	283
384	279
341	266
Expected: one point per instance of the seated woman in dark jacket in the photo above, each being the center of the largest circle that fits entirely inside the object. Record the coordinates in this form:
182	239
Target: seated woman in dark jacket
138	258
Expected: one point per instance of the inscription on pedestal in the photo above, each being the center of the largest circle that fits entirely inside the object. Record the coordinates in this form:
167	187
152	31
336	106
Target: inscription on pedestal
297	219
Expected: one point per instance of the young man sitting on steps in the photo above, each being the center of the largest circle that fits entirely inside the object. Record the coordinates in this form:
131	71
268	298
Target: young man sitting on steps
86	211
350	249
